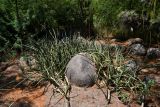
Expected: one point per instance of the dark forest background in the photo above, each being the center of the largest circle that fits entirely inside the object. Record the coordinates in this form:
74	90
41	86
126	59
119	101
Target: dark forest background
25	20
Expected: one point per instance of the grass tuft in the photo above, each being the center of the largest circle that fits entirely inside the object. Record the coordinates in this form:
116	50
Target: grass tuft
53	55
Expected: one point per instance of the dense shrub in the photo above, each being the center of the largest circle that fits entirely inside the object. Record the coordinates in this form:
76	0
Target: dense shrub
132	18
25	20
32	19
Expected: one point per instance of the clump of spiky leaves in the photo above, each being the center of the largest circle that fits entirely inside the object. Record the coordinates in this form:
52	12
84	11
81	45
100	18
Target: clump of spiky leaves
113	71
53	55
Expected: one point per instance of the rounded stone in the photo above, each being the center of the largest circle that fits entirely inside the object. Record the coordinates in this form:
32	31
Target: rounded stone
134	41
132	66
137	49
153	53
81	71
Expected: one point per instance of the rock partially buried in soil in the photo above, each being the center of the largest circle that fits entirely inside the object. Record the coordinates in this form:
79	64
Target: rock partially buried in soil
81	70
114	40
132	66
149	71
23	64
12	73
134	41
137	49
153	53
28	63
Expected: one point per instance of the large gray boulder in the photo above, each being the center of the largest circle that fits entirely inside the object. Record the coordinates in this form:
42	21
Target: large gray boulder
81	71
137	49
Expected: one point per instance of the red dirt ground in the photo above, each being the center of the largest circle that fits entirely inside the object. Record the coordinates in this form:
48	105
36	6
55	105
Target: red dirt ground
80	97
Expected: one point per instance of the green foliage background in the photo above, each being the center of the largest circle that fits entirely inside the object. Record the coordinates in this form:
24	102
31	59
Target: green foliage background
148	12
22	20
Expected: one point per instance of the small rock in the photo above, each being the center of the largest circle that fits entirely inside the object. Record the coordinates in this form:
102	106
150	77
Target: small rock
153	53
28	63
145	71
149	71
131	65
134	41
32	62
23	64
137	49
12	73
115	40
81	71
